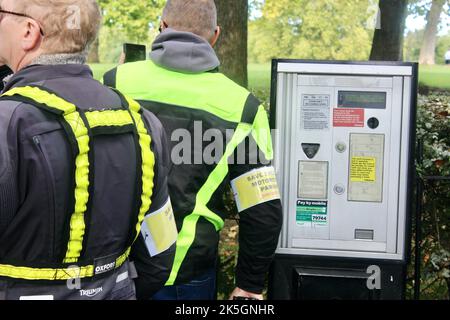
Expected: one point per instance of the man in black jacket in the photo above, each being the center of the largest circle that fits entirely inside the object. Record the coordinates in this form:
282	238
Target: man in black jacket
83	169
198	105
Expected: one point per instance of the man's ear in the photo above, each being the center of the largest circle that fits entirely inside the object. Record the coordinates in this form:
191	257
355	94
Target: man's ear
31	36
216	36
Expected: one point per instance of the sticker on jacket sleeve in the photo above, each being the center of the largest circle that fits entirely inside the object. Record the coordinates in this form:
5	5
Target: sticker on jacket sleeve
255	187
159	230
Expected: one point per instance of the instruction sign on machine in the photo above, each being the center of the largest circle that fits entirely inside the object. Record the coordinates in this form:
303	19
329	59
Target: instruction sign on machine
343	153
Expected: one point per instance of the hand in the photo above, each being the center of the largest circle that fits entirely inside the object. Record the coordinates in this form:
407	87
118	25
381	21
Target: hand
238	292
122	58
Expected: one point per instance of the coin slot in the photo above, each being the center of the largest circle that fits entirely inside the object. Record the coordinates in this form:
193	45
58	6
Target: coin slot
373	123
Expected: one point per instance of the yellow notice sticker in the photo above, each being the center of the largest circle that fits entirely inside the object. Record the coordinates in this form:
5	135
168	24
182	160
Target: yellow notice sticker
255	187
160	230
363	169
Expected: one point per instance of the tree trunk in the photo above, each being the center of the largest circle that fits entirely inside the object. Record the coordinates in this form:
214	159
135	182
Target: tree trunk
232	45
428	50
93	56
388	41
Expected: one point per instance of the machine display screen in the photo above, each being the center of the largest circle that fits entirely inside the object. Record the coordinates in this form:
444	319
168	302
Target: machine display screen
360	99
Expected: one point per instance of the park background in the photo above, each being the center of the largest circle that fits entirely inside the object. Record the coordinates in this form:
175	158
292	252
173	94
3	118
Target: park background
256	31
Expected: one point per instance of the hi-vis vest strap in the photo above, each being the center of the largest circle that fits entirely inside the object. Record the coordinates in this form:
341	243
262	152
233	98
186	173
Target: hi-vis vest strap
80	127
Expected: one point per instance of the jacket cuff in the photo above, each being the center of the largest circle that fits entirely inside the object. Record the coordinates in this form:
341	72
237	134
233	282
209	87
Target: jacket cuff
253	283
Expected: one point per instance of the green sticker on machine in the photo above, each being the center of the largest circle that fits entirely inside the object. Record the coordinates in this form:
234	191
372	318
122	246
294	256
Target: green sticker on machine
312	213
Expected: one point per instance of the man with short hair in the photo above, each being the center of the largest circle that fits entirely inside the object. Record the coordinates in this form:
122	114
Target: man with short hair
198	105
83	169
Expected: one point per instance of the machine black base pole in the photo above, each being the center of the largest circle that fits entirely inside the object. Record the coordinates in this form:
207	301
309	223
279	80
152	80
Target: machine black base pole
322	278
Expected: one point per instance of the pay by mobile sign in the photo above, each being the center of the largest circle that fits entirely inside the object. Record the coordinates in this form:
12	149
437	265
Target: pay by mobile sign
344	154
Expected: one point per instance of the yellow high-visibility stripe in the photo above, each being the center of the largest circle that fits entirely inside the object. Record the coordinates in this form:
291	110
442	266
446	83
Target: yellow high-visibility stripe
148	162
43	97
187	234
262	134
146	81
109	118
73	118
27	273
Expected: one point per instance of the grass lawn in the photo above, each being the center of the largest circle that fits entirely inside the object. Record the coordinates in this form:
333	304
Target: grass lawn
99	69
435	76
259	75
432	76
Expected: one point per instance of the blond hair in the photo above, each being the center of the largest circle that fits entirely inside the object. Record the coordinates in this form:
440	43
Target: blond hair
70	26
196	16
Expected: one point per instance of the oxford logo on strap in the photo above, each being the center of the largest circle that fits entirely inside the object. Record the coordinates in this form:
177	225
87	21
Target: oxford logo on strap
80	126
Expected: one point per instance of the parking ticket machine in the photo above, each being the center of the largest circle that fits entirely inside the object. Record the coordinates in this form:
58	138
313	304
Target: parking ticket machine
344	140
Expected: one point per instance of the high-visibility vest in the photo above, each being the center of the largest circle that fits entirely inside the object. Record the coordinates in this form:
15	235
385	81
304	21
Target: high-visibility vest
216	98
80	127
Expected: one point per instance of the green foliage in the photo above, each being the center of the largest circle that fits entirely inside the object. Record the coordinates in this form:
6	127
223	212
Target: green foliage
99	69
255	6
228	259
413	43
127	21
442	47
434	130
110	44
133	18
435	76
422	7
419	7
412	46
321	29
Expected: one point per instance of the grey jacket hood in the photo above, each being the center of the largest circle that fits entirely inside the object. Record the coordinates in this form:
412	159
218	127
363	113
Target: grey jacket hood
184	52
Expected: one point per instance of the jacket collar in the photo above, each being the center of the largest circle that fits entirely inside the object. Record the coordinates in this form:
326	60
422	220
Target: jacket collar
38	74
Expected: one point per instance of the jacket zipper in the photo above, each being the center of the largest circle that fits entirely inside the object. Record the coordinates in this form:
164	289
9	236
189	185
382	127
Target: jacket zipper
50	187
